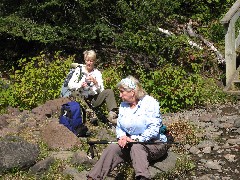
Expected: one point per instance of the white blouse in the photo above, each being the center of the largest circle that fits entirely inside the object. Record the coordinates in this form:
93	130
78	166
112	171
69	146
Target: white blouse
79	76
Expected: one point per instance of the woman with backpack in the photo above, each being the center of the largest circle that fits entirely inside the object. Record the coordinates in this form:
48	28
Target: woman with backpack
139	120
87	80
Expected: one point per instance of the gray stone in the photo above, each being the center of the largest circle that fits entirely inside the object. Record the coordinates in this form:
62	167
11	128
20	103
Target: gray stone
206	143
17	153
206	150
237	123
75	174
80	158
41	166
233	141
237	131
213	165
205	118
208	177
103	134
3	122
230	157
229	110
164	165
62	155
194	150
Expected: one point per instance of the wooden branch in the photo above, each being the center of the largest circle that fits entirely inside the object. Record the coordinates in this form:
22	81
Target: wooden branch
169	33
191	33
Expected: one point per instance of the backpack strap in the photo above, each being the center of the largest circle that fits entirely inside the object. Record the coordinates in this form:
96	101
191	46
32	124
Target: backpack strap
163	129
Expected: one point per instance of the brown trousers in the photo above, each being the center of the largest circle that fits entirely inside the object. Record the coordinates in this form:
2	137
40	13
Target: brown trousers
106	95
139	154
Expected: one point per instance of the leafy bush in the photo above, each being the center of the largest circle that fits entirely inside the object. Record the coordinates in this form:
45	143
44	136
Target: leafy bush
6	95
40	79
36	81
174	87
177	89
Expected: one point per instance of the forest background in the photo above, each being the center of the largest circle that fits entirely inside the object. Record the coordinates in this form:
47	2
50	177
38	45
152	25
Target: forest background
148	39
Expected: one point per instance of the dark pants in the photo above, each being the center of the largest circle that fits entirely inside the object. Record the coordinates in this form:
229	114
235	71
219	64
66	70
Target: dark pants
139	154
106	95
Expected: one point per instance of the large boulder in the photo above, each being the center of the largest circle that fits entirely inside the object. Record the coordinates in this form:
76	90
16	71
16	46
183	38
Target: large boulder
164	164
17	153
50	108
57	136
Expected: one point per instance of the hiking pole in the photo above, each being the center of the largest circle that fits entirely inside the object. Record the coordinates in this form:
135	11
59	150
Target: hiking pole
92	144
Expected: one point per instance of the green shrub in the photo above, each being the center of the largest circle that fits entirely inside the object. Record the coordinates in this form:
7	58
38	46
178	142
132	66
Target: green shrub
36	81
5	95
174	87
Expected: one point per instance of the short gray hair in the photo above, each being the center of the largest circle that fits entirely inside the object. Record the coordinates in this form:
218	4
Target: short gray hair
131	83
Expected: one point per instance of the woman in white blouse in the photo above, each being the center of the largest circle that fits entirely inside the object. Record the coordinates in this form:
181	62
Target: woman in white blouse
139	119
87	80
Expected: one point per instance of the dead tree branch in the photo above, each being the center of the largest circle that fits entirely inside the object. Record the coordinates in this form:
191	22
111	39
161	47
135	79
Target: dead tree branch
191	33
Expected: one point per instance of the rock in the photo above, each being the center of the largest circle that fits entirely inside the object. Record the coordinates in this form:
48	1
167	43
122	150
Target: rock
58	136
41	166
237	123
13	111
103	134
163	165
213	165
206	143
50	108
75	174
233	141
17	153
213	159
3	122
229	110
208	177
80	158
230	157
205	117
187	147
237	131
8	131
62	155
194	150
206	150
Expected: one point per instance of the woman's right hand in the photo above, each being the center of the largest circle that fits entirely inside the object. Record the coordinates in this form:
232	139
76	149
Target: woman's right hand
122	141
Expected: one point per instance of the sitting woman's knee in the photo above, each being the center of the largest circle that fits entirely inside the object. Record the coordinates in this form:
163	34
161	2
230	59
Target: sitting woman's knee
137	147
112	148
109	91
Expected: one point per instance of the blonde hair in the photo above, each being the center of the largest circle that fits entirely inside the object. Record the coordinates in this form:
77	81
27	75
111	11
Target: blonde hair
90	54
131	83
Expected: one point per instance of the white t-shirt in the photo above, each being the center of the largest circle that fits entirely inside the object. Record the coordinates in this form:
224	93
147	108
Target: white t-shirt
79	76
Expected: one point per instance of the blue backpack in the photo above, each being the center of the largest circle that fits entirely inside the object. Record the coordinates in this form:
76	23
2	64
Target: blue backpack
71	117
